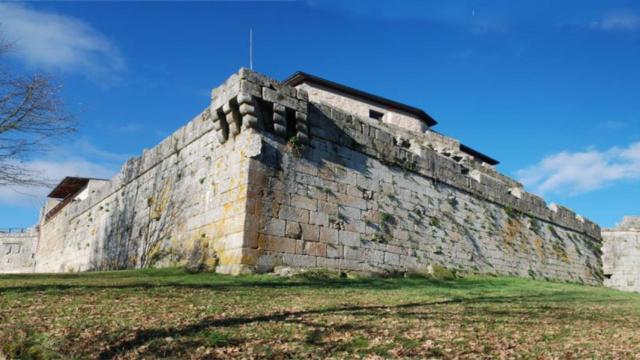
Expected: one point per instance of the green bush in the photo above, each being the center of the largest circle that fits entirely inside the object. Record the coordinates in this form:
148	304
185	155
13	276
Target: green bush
439	272
317	274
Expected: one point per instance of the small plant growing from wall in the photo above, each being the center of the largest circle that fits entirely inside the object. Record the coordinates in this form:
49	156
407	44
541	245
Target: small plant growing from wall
295	146
512	213
534	225
553	232
326	191
453	201
408	165
387	218
379	238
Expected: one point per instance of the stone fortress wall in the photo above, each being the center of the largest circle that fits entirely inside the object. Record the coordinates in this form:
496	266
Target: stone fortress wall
180	201
17	250
621	255
265	178
368	196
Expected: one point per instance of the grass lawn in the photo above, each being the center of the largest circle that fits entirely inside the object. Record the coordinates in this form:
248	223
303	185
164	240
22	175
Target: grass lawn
173	314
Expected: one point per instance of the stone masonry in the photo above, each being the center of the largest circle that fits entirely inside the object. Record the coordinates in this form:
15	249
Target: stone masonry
17	250
264	177
621	255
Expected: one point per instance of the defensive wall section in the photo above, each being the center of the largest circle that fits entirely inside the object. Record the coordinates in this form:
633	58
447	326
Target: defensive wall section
621	255
264	178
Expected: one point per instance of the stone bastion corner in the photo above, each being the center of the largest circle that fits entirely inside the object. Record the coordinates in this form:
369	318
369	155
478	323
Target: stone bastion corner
264	177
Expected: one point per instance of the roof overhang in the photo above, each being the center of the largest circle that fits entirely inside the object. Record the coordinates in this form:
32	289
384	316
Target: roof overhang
478	155
300	77
68	186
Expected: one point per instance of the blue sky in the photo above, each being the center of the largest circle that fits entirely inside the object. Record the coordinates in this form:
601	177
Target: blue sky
550	88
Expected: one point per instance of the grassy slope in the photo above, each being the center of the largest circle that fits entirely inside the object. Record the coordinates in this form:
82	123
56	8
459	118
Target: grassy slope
168	313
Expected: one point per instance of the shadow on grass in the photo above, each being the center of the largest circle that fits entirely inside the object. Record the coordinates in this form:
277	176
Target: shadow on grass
476	309
480	297
142	337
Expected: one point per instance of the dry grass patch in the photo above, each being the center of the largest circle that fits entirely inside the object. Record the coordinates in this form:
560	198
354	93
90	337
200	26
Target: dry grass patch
173	314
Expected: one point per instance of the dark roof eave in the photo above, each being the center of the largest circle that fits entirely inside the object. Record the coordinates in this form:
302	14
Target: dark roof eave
299	77
69	186
487	159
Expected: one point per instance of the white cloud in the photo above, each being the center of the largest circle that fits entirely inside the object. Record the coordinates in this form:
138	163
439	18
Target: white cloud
477	19
617	21
613	125
87	148
579	172
58	42
131	127
55	165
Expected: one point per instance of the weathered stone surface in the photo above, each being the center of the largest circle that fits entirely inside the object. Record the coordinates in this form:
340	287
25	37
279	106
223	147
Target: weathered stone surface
16	250
621	255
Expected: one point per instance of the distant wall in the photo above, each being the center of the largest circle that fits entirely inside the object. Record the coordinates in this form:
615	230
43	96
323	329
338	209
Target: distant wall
621	255
16	250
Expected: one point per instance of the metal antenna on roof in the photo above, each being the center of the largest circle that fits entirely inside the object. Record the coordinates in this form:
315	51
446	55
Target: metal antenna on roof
251	48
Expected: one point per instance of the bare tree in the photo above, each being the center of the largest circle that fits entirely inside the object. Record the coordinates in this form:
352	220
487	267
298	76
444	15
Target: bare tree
32	117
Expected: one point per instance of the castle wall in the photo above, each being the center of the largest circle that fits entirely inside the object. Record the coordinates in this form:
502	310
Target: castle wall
182	201
621	255
357	198
16	250
263	178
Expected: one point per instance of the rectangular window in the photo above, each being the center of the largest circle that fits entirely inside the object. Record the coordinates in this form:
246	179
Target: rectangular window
375	114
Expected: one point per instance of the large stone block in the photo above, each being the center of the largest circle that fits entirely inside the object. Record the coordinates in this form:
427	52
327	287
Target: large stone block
294	214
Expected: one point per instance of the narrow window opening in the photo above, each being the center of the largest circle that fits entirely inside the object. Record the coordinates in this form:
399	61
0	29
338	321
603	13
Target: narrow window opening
290	115
266	110
375	114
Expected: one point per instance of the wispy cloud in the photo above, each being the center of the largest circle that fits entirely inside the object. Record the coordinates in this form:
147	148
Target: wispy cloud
467	15
89	150
58	42
579	172
78	159
131	127
617	21
613	125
